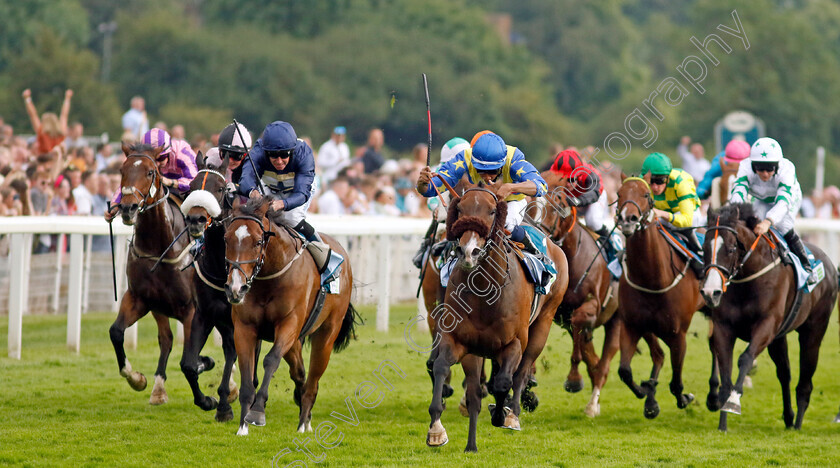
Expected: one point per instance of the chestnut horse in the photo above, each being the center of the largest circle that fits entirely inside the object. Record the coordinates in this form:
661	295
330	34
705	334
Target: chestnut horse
168	291
268	260
595	301
751	297
487	313
658	295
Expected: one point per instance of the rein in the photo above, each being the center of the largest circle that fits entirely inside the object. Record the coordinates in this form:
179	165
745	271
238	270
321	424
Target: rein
260	260
645	216
729	276
153	189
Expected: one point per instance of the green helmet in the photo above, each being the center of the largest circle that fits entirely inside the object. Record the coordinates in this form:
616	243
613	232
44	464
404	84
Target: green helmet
657	164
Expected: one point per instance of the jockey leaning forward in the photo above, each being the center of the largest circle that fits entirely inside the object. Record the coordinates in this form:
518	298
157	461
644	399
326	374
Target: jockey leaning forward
735	152
176	163
584	190
770	179
285	169
492	162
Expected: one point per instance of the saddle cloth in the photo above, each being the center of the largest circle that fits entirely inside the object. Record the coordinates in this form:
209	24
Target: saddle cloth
790	258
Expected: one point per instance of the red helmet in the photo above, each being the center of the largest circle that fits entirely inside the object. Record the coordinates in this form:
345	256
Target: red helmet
566	162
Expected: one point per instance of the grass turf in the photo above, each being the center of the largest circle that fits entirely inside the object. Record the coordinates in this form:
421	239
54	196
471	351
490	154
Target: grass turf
64	409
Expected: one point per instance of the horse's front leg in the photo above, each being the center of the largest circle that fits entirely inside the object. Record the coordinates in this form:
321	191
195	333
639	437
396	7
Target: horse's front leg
713	399
200	328
285	337
658	358
723	340
508	359
449	353
159	395
131	310
762	335
227	388
628	341
612	337
778	351
677	347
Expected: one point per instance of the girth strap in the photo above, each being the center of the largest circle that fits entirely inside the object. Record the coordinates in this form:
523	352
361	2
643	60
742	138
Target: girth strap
315	313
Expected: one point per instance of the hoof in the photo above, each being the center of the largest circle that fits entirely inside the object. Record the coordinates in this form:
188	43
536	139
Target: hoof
511	421
748	382
224	416
573	386
497	418
305	427
209	403
137	381
256	418
733	404
712	402
234	393
484	391
159	395
437	435
837	418
205	364
447	391
684	400
592	410
652	411
529	401
243	430
532	381
462	408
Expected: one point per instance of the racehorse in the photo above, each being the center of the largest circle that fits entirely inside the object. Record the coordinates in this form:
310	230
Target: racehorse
593	304
268	260
206	207
168	291
751	296
658	295
487	312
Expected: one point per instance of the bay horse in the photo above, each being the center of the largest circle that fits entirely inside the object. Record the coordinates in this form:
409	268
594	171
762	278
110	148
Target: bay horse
657	297
206	208
487	313
268	261
751	296
593	304
168	291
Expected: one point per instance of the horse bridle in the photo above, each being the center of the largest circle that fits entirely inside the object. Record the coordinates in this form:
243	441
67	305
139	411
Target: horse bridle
563	212
224	202
152	188
237	264
725	272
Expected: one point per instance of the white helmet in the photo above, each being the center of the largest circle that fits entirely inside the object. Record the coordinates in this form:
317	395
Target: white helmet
452	148
766	150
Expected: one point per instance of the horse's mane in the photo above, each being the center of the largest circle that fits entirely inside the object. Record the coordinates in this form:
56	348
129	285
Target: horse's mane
253	205
729	215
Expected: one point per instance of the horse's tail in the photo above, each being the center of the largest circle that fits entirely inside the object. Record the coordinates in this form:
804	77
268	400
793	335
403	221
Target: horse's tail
348	328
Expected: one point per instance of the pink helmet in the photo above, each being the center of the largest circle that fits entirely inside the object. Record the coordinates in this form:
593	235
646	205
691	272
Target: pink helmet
157	137
736	151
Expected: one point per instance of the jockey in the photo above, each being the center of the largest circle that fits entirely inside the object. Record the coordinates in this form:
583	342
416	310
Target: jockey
285	168
585	190
735	152
176	164
771	181
491	161
447	152
674	197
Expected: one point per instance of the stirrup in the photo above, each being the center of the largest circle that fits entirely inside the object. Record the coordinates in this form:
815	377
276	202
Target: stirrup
320	253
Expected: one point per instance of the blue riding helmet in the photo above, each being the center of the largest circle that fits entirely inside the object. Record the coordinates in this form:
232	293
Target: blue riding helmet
489	152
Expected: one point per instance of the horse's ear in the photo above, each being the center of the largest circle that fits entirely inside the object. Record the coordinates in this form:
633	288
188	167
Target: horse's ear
263	208
126	149
199	160
156	152
623	176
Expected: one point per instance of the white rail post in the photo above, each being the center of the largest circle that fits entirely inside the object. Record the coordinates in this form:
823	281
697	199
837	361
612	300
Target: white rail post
59	254
86	283
27	268
384	283
16	292
74	302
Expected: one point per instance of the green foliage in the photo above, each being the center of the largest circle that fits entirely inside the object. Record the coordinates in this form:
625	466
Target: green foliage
199	119
22	21
49	67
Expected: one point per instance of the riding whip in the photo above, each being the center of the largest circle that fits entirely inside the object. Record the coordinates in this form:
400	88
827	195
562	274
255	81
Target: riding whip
600	246
160	259
256	174
428	119
113	263
433	228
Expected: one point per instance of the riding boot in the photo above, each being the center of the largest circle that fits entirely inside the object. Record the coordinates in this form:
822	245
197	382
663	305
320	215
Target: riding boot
421	252
795	245
519	235
604	239
319	250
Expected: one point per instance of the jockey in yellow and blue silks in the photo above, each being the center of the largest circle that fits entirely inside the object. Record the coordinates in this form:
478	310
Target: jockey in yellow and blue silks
492	162
674	196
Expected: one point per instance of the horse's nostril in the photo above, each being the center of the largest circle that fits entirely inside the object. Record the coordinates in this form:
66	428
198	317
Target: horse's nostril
716	294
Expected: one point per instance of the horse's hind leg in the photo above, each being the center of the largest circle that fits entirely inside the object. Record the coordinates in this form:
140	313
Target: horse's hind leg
810	338
677	347
574	381
297	372
227	387
131	310
612	335
778	352
473	366
199	331
159	395
508	359
538	334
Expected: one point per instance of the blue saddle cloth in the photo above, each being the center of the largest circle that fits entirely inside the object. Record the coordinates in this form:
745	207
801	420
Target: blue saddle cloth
540	272
801	274
332	272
